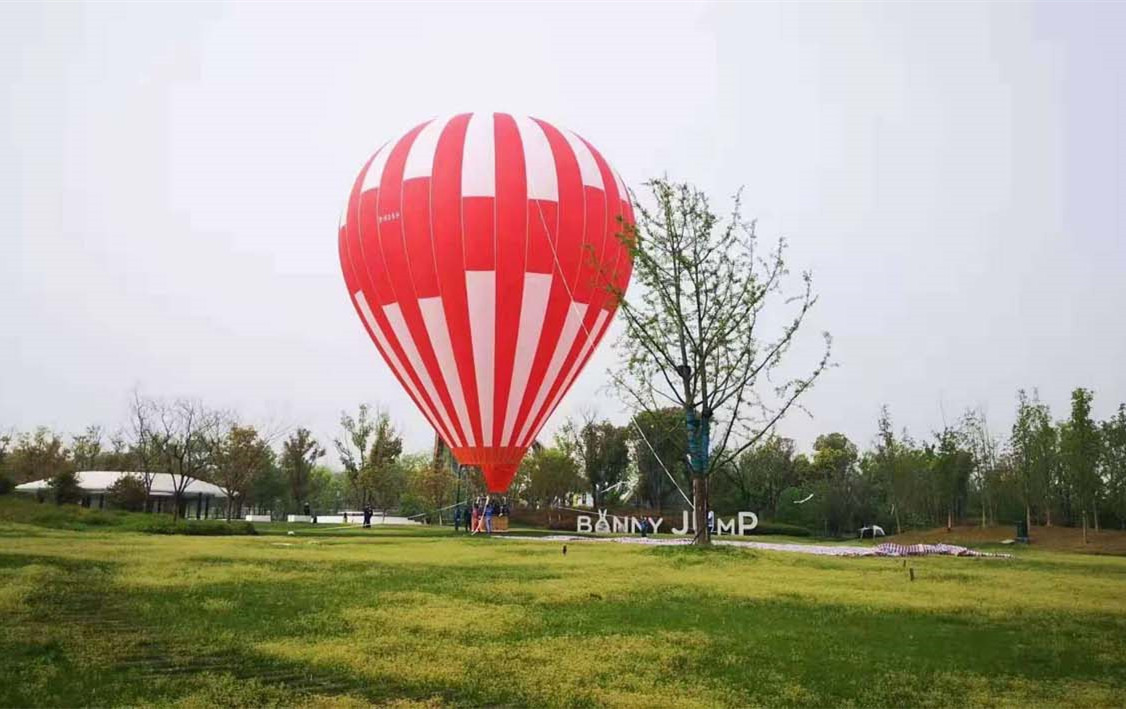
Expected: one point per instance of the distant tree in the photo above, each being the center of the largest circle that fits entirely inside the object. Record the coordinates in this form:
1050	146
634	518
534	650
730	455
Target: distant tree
758	477
353	447
327	489
269	492
892	467
128	493
238	459
1113	462
117	457
694	329
37	456
549	476
601	451
300	453
834	456
184	442
145	440
383	480
6	483
985	448
1080	449
86	448
432	485
952	466
835	492
64	486
660	469
1034	453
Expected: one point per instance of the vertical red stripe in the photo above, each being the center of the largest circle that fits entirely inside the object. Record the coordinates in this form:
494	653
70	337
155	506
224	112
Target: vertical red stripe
445	214
391	233
512	244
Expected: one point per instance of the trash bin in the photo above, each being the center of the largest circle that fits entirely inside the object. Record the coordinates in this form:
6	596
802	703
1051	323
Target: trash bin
1022	531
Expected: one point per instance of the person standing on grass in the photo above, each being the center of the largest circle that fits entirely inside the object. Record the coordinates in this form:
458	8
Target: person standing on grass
367	516
457	518
490	508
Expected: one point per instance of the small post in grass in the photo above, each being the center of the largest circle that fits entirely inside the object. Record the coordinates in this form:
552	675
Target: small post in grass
1084	526
911	573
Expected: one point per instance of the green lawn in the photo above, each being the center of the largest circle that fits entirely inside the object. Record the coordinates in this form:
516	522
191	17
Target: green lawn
418	617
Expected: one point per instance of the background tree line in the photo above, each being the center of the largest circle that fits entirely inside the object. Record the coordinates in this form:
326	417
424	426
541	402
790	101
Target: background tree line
1044	471
260	470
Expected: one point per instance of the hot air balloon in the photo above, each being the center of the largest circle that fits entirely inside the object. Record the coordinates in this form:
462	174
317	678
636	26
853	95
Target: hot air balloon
482	254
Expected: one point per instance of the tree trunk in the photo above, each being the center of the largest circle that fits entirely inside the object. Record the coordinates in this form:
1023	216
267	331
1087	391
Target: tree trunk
1049	515
1028	519
949	518
1095	511
898	526
700	510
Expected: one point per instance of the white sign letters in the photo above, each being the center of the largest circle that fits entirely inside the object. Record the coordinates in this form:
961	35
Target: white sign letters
737	525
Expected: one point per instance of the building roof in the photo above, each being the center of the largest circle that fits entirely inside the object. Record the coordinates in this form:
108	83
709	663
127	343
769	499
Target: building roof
99	481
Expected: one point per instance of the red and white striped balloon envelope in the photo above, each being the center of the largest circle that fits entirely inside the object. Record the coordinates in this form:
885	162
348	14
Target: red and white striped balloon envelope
482	254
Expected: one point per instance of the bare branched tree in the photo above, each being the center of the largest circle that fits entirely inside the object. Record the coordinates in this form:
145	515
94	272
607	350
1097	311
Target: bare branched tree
694	329
185	435
144	440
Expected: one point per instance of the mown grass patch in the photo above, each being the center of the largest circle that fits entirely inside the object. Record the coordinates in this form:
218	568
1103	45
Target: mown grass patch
421	618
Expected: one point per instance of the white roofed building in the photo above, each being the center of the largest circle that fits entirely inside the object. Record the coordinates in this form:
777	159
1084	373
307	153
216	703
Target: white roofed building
199	499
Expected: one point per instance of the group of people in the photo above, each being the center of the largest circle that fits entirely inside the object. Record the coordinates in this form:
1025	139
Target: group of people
478	517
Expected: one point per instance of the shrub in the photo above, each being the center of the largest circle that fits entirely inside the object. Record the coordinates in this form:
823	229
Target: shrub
128	493
6	484
166	525
64	487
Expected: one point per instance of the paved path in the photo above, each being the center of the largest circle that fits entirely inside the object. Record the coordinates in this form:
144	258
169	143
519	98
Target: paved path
886	549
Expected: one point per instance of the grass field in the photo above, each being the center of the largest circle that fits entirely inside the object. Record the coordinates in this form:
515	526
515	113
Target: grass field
418	617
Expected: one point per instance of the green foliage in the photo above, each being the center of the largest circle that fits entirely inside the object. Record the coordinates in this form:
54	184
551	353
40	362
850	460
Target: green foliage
601	450
547	477
64	487
1080	450
300	453
1113	463
128	493
327	489
369	451
757	479
240	461
86	448
430	487
161	524
36	456
663	429
1035	453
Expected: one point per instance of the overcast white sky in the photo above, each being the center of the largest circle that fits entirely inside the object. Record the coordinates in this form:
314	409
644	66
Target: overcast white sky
171	177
